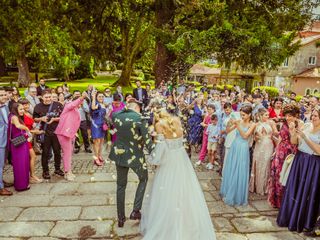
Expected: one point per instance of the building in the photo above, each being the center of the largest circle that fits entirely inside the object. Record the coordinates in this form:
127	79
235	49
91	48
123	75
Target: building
202	73
298	73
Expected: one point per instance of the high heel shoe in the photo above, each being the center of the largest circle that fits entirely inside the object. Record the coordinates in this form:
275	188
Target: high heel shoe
101	160
96	161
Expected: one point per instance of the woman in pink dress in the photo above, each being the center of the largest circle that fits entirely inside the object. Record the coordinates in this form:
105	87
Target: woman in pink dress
206	121
283	149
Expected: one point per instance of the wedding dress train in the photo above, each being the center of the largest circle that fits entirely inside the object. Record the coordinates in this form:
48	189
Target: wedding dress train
175	207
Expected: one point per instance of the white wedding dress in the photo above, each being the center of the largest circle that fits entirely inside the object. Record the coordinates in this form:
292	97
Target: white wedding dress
175	207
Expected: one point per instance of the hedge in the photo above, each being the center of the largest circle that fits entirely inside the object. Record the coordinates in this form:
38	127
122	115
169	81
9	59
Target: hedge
272	91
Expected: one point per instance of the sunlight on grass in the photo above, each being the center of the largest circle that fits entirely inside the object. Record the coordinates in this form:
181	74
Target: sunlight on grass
100	83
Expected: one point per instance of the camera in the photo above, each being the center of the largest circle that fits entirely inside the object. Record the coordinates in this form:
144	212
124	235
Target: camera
51	115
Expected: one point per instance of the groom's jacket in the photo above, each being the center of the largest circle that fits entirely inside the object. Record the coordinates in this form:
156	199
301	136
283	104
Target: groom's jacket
132	136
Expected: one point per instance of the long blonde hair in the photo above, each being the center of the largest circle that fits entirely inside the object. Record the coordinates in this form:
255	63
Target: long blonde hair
166	120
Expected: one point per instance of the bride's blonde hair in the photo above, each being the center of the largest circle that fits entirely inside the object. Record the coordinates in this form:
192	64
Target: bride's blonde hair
166	120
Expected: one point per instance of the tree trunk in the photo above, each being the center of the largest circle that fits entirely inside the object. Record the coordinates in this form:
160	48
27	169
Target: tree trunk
2	67
127	69
164	63
23	67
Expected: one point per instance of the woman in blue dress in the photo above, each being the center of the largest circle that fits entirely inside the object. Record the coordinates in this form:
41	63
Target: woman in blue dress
98	129
195	129
235	175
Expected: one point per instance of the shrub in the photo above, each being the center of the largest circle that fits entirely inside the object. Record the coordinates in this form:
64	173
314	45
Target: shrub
134	79
195	83
272	91
298	98
222	87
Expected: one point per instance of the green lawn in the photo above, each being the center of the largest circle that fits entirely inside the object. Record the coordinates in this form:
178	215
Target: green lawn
100	83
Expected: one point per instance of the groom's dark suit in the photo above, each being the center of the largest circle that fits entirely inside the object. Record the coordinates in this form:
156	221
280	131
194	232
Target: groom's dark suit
127	152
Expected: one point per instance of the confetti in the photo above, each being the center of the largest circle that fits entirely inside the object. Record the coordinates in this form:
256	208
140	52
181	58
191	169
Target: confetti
119	151
144	166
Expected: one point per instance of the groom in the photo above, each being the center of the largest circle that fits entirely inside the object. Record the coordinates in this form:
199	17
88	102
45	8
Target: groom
127	152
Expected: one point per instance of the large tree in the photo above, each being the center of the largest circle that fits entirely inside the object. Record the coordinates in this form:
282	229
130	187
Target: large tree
252	34
28	30
118	31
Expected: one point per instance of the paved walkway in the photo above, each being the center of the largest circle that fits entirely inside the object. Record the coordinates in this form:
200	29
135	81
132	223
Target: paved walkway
85	209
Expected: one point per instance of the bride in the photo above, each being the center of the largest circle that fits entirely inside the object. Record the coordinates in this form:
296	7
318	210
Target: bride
175	208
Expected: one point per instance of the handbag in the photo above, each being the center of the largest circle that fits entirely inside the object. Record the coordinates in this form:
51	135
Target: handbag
40	137
285	171
17	141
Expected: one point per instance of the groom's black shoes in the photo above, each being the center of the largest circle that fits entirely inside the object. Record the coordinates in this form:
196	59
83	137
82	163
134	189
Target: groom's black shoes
121	222
135	215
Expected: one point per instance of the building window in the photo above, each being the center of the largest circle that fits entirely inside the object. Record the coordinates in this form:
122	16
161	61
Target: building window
312	60
308	91
286	62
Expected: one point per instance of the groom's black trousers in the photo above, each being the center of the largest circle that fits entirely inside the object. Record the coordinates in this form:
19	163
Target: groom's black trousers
122	180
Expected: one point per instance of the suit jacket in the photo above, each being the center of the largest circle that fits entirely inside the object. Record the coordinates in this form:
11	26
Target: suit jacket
132	136
69	122
4	122
39	90
144	95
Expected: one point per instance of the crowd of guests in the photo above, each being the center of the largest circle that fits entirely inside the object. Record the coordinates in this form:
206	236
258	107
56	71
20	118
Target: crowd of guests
247	138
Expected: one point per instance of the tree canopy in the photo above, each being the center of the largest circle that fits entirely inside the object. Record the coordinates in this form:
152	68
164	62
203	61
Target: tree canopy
169	34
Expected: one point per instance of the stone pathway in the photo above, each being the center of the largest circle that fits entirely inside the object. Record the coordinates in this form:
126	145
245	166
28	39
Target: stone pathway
85	209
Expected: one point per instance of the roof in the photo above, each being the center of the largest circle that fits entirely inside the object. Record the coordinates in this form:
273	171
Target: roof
199	69
310	33
310	73
309	39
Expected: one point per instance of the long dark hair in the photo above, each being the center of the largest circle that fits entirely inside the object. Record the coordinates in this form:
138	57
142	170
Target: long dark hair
248	110
14	111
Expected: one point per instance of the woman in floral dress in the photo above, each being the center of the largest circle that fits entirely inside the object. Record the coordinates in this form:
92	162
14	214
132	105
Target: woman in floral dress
283	149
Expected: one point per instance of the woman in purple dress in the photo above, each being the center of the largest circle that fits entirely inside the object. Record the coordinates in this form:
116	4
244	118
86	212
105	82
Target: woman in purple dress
20	156
300	206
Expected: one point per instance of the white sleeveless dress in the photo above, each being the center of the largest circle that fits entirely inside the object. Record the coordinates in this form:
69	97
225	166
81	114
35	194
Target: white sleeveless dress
175	207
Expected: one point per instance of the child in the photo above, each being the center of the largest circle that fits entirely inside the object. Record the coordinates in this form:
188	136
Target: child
213	138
